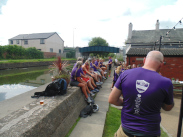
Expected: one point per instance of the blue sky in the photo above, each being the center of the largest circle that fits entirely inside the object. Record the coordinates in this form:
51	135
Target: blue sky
82	20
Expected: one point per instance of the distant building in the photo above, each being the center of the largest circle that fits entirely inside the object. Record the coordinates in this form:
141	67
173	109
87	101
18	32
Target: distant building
49	43
140	42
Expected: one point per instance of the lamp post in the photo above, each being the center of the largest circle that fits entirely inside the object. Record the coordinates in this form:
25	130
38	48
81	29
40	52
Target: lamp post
73	36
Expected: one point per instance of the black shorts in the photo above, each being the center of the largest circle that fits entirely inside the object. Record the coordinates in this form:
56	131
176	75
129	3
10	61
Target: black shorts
109	67
74	83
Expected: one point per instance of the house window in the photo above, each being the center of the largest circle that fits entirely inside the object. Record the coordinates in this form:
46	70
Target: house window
39	49
25	42
42	41
51	49
11	41
17	41
59	50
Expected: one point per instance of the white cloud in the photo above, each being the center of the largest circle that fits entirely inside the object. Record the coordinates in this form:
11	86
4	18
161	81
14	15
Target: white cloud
108	19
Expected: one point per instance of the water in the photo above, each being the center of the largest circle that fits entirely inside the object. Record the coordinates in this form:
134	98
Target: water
11	86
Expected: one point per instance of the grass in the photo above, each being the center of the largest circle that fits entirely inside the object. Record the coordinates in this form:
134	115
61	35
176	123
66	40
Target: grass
113	121
31	60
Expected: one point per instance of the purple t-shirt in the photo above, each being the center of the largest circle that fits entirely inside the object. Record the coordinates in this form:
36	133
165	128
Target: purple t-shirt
75	74
110	60
96	63
91	66
116	76
143	91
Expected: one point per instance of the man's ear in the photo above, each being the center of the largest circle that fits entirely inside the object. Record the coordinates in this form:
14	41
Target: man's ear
144	60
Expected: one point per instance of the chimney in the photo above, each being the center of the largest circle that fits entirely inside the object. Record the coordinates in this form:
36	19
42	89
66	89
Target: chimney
157	25
130	31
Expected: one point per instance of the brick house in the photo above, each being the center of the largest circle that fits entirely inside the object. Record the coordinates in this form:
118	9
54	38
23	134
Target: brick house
139	43
49	43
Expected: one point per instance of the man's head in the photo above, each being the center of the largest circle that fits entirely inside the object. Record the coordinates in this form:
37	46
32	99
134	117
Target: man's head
154	60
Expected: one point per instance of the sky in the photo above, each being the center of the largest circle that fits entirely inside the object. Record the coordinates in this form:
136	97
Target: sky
78	21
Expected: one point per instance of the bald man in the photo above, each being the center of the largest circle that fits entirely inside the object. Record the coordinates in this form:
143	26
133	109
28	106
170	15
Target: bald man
144	93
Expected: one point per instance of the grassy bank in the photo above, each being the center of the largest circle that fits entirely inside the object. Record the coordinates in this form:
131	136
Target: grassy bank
32	60
113	121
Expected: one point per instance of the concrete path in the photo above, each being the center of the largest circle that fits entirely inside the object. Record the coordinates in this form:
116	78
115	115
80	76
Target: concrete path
170	119
93	126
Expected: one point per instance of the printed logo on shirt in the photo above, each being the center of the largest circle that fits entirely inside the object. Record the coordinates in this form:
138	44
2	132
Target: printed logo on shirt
137	104
142	86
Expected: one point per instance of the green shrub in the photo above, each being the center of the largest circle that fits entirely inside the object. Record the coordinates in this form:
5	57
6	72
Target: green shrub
18	52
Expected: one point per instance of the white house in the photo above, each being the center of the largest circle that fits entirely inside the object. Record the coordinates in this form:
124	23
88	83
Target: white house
45	42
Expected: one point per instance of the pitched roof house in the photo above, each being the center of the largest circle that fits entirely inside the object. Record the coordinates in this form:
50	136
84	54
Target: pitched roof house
45	42
168	41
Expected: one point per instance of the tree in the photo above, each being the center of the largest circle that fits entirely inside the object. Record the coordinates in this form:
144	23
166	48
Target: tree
98	41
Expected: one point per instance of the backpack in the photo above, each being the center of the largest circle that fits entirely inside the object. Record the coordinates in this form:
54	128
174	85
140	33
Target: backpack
57	87
88	110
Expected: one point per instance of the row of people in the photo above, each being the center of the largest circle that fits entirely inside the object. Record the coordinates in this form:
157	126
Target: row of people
88	76
120	69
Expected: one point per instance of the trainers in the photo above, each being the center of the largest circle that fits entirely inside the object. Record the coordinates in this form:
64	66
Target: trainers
92	94
96	90
89	100
98	83
104	77
101	83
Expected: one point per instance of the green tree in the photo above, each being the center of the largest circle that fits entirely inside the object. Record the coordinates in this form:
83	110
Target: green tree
98	41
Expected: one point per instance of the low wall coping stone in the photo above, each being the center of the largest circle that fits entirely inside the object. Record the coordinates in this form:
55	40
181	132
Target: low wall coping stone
54	118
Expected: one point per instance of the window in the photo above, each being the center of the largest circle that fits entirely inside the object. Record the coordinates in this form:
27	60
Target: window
39	49
25	42
51	49
59	50
11	41
17	41
42	41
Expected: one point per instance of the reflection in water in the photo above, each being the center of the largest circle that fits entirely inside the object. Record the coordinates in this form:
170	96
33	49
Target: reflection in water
11	90
11	86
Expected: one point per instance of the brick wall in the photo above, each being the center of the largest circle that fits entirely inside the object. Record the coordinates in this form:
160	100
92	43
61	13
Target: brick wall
49	54
172	69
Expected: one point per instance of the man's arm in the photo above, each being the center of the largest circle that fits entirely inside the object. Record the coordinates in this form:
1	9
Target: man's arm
167	107
115	97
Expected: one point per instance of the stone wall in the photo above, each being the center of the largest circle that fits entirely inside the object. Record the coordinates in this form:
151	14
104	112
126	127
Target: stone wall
54	118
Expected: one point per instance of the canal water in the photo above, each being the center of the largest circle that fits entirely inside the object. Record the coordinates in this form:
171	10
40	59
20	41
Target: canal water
25	80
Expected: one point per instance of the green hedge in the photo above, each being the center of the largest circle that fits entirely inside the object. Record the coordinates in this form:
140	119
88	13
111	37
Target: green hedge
18	52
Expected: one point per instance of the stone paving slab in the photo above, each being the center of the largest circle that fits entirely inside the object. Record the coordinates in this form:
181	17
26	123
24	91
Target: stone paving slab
93	126
170	119
87	130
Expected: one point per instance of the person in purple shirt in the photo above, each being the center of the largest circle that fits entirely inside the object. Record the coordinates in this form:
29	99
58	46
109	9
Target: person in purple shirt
92	66
97	66
117	73
77	81
110	65
144	93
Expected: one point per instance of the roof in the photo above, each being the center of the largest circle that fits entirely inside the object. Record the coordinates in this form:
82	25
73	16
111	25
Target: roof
151	36
165	51
33	36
